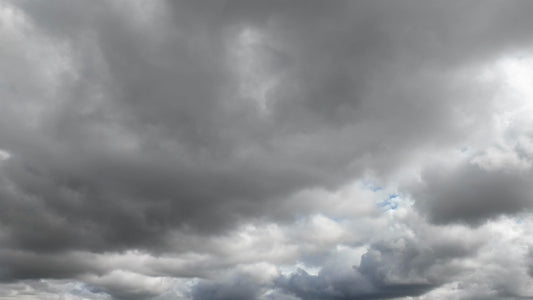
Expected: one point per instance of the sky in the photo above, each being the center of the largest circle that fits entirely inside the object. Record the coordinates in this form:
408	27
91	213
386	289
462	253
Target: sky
266	150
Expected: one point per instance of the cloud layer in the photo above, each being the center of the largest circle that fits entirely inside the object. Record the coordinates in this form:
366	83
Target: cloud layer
265	150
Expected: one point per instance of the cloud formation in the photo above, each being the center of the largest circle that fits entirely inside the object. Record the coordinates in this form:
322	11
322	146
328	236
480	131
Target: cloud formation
265	150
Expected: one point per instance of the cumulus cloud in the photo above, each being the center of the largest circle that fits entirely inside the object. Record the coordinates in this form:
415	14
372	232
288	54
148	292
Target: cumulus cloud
265	150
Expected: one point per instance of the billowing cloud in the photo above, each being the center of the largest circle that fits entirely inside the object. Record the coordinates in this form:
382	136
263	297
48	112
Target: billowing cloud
265	150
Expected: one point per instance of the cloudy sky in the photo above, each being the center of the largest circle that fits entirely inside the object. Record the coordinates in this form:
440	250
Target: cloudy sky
266	150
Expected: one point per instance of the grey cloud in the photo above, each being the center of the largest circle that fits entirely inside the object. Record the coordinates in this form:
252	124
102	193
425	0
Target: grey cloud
151	134
408	266
17	265
472	194
238	282
120	292
129	122
238	288
49	290
347	284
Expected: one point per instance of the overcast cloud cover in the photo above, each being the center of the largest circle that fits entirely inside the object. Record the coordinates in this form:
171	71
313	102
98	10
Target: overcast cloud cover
266	150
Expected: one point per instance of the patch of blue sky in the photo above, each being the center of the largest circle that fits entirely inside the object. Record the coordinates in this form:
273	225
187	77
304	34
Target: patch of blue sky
372	186
335	219
391	203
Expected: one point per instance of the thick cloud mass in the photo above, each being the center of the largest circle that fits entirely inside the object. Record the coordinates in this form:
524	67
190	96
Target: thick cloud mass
471	194
281	150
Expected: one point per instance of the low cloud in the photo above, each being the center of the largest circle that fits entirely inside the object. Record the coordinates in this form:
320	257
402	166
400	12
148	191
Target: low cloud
177	149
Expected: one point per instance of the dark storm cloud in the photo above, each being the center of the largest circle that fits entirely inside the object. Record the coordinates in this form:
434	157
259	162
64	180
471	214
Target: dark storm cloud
201	155
472	194
27	265
322	286
389	269
139	119
240	288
